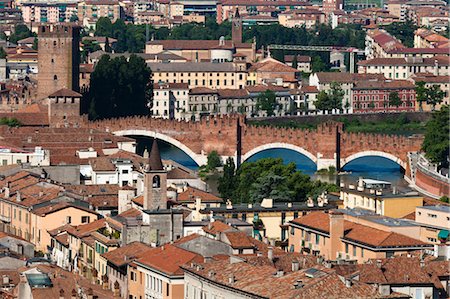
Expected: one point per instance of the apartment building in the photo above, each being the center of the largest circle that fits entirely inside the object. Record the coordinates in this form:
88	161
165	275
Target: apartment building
203	50
430	79
169	100
380	198
434	222
91	10
201	74
404	68
31	207
425	38
333	236
322	81
373	96
48	11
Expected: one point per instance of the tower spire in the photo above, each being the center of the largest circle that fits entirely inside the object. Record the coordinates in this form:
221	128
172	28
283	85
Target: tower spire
154	159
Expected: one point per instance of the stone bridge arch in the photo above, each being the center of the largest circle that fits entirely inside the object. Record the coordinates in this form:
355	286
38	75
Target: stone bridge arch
382	154
276	145
198	158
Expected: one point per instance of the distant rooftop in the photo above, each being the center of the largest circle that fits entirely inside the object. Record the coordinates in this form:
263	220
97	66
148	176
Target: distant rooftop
440	208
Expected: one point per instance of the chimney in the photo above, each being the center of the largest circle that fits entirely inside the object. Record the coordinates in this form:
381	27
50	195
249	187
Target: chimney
74	294
116	289
348	283
384	289
336	232
270	253
298	284
231	279
295	266
61	294
379	264
18	197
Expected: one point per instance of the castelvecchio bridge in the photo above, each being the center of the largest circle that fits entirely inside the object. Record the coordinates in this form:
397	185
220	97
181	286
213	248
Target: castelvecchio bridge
328	145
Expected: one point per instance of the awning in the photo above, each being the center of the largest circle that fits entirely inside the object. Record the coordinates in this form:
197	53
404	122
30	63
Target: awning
443	234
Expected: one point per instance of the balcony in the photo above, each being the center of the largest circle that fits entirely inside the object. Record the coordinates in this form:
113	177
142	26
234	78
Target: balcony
5	218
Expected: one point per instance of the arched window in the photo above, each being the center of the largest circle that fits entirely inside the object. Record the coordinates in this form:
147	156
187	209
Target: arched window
156	182
55	77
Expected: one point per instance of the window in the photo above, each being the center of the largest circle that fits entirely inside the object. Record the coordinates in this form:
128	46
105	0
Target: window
124	171
68	219
55	77
432	215
84	219
354	250
317	239
156	181
346	248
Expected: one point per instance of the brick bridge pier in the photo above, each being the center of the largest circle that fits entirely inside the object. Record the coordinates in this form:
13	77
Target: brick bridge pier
231	136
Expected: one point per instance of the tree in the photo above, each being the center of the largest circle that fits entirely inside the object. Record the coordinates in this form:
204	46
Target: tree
434	96
323	101
336	95
103	27
421	95
213	160
295	62
35	44
394	99
227	183
444	199
118	88
2	53
107	46
73	18
317	65
267	101
270	186
21	31
404	31
269	177
435	144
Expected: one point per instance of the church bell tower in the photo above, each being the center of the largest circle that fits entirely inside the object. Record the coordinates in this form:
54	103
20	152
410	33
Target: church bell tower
236	28
155	181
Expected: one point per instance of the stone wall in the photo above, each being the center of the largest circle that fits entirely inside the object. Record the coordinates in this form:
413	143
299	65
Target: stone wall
431	184
366	117
327	145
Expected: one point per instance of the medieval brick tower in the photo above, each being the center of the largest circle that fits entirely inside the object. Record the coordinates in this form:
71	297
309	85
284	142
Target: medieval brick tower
236	28
155	181
58	59
328	6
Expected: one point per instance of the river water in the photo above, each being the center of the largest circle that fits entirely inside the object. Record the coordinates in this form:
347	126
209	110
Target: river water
368	167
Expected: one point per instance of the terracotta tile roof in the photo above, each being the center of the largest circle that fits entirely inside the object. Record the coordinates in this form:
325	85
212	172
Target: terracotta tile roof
168	259
85	229
272	66
388	84
53	208
260	281
4	235
194	44
130	213
105	240
139	200
358	233
63	239
233	93
106	201
67	281
309	89
178	173
94	190
213	228
300	58
239	240
328	77
64	92
102	164
189	195
410	216
201	90
86	68
126	254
